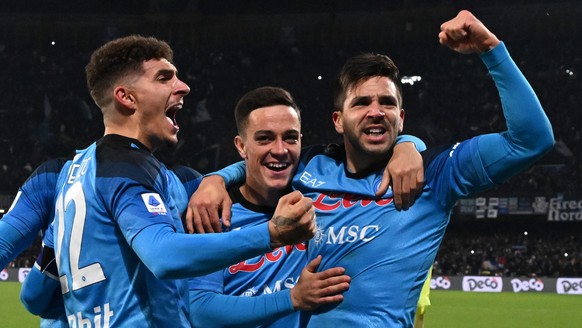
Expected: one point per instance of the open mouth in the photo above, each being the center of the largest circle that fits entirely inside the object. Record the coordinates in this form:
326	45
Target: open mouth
171	113
375	131
277	166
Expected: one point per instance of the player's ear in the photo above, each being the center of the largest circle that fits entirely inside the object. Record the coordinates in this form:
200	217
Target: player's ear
124	97
401	124
239	143
337	122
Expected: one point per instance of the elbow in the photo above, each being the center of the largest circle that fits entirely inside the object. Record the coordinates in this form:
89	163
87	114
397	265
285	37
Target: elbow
31	304
547	141
165	272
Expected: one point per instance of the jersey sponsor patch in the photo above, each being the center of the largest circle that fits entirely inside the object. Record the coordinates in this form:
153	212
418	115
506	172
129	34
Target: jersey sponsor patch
154	203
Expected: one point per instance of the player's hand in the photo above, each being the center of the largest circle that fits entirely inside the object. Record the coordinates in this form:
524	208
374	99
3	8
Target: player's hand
466	34
293	221
405	171
207	204
317	288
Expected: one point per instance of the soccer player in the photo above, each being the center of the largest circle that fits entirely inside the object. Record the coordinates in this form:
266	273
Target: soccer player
387	252
34	208
266	290
117	232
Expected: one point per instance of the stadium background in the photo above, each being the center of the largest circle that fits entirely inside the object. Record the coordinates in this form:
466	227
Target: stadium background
529	227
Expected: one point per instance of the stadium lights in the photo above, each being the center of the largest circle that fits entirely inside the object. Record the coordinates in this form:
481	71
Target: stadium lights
410	79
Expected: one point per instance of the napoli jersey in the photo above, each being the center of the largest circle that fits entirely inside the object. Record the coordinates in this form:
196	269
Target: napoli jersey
113	190
32	210
387	252
265	274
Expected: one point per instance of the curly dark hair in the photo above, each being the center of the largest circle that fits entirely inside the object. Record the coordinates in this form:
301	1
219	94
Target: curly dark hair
119	58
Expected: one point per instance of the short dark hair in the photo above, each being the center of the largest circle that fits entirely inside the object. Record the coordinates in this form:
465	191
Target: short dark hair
360	68
119	58
259	98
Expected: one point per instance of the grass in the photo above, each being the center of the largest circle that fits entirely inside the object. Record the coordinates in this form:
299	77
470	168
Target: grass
512	310
450	309
12	313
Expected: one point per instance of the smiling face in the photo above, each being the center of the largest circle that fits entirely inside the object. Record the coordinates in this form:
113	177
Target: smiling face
155	96
370	121
270	146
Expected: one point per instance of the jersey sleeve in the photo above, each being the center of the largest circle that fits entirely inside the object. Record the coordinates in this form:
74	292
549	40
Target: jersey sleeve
31	211
212	309
418	143
487	160
234	174
179	255
529	133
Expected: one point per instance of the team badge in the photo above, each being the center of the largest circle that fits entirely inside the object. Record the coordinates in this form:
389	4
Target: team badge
388	194
153	203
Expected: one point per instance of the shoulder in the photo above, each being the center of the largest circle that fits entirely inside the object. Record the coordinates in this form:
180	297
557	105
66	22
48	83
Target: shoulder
121	157
185	173
335	151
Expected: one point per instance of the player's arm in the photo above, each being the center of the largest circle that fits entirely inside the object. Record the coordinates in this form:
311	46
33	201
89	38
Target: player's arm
30	212
12	242
405	170
529	133
209	307
41	292
211	202
171	255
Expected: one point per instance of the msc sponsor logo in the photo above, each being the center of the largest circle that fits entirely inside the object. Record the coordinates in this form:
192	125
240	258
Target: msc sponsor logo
440	282
279	285
532	284
482	284
569	286
4	275
345	234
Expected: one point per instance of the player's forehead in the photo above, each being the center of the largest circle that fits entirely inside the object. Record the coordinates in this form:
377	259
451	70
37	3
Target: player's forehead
157	66
372	87
278	118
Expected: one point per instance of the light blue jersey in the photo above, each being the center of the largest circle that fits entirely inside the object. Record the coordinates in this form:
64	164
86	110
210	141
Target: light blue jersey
39	294
254	292
388	252
117	237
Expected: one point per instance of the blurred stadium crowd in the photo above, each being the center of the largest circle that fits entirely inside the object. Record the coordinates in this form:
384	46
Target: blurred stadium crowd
46	111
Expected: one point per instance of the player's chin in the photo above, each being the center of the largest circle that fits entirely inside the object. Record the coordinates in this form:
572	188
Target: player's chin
171	141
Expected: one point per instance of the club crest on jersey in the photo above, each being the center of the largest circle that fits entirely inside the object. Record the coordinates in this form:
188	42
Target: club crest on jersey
388	194
154	203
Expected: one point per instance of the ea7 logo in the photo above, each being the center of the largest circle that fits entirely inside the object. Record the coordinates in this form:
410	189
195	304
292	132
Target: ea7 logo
307	179
351	234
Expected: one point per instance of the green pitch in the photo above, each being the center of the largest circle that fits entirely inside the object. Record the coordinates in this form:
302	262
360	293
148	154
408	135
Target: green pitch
453	309
449	309
12	313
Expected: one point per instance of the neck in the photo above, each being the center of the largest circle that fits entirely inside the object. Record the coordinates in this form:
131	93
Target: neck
359	162
261	197
129	134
